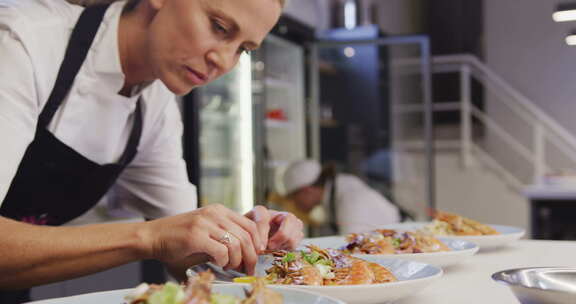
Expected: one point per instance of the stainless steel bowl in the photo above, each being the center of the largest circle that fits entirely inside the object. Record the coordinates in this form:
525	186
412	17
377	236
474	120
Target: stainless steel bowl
544	285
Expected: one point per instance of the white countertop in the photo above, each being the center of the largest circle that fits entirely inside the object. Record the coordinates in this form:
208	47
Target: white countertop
471	283
549	192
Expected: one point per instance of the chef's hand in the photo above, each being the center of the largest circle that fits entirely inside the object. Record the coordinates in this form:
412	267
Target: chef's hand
280	230
193	237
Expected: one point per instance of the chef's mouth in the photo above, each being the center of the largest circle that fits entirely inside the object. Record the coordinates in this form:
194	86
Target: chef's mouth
195	77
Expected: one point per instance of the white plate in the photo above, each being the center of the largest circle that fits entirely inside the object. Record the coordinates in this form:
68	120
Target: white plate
291	296
461	250
412	277
506	237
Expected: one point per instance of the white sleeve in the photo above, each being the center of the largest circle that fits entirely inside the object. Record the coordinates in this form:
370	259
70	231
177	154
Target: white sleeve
19	108
364	209
156	184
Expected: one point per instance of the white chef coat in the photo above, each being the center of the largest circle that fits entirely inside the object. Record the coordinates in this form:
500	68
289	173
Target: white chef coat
94	119
360	208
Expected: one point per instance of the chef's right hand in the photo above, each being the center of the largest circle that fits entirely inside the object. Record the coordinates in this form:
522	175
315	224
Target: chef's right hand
201	232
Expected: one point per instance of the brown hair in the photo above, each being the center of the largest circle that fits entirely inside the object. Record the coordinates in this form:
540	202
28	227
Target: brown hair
327	174
129	6
90	2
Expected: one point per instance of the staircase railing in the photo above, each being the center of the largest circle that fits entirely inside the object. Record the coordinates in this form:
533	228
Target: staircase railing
545	133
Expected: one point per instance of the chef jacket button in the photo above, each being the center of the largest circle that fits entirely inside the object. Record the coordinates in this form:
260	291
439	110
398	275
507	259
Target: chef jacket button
83	90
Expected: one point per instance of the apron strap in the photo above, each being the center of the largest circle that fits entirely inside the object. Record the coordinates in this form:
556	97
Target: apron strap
76	52
332	206
79	44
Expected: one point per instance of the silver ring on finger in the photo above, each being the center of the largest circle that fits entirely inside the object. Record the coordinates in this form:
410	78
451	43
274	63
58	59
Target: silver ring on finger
226	238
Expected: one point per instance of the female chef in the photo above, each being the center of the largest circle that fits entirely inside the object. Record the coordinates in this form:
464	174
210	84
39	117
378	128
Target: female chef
87	111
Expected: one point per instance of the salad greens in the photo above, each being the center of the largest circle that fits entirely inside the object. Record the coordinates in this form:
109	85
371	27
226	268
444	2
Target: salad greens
223	299
289	257
169	294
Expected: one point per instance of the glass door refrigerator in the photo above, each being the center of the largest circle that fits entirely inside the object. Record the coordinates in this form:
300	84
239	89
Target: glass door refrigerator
280	98
218	139
241	130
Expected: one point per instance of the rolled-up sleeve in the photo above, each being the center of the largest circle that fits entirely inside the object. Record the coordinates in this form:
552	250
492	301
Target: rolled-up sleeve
156	182
18	106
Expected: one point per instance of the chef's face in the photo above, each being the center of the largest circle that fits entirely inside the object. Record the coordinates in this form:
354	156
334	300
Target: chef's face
308	197
193	42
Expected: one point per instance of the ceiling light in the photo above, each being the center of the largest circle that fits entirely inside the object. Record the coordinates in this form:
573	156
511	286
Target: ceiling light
350	14
571	39
565	12
349	52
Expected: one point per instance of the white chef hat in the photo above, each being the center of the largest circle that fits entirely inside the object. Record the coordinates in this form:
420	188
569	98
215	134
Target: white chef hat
300	174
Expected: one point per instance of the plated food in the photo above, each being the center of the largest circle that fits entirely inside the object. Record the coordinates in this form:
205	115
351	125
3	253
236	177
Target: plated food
458	252
316	266
233	291
389	241
446	224
410	278
451	226
199	291
373	280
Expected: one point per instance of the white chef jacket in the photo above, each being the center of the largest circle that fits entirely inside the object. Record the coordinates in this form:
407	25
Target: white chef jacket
360	208
94	119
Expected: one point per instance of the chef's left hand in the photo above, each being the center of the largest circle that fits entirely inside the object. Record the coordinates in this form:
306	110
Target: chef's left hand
280	230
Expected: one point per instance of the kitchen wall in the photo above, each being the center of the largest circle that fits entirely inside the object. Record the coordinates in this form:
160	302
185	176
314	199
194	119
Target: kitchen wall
398	17
526	47
315	13
395	17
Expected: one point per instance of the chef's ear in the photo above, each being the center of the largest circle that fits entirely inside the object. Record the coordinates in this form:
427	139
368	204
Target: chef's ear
157	4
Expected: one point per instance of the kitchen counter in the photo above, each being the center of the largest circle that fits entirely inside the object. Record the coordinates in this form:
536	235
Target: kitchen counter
543	192
471	282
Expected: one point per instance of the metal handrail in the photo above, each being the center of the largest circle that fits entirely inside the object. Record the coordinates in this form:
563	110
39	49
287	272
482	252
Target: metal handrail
545	128
517	97
509	177
509	138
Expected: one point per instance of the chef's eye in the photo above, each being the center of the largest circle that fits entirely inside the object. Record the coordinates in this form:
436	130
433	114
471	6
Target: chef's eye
219	28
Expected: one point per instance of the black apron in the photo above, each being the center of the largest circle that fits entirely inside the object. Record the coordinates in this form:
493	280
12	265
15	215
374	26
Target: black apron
333	209
330	227
55	184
